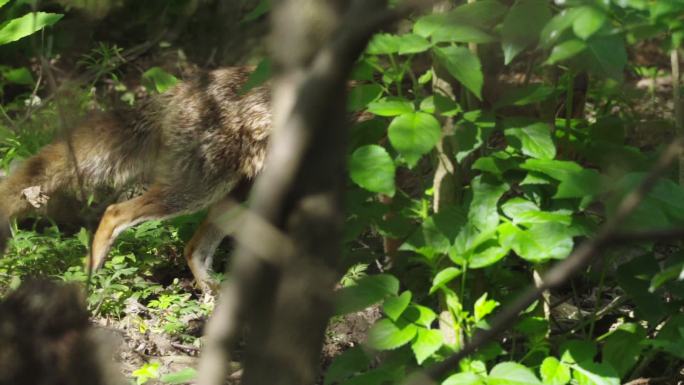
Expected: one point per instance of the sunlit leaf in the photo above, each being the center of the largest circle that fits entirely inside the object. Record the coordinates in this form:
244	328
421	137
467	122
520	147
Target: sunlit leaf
26	25
464	66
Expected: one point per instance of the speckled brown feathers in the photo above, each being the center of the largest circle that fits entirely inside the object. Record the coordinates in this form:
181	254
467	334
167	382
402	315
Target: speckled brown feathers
191	145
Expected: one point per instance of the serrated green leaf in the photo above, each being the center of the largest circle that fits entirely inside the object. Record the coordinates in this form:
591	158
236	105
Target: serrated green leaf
390	107
464	66
26	25
512	373
388	335
426	343
414	135
394	306
372	168
553	372
531	138
522	26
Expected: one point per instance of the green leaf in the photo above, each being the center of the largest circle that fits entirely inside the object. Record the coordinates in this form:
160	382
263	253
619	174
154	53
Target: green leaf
427	342
496	164
360	96
259	76
522	26
591	373
553	372
3	2
671	337
384	44
465	378
486	257
414	134
566	50
533	327
461	33
623	346
481	12
558	24
608	55
675	272
26	25
581	184
181	377
443	277
456	26
446	106
577	351
512	373
411	43
421	315
158	79
483	307
532	138
556	169
540	243
388	335
18	76
372	168
390	107
367	291
464	66
633	278
261	9
588	21
483	213
425	78
517	206
394	306
345	365
522	96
